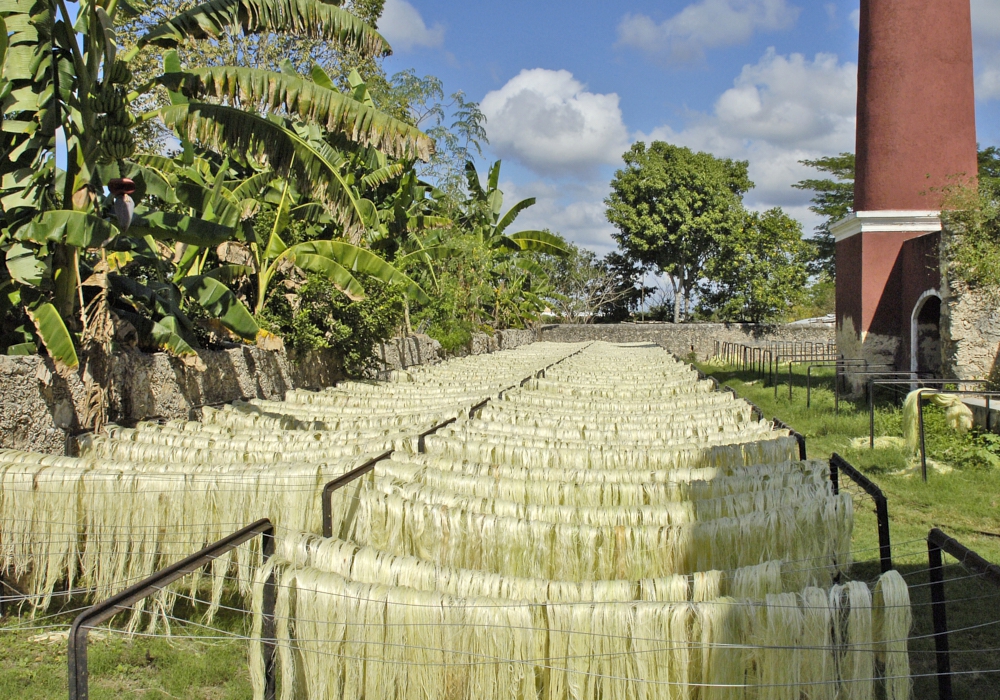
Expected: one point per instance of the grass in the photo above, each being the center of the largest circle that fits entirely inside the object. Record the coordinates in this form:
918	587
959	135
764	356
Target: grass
965	503
194	664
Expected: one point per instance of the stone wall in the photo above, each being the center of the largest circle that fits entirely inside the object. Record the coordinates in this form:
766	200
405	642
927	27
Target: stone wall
970	333
685	338
40	409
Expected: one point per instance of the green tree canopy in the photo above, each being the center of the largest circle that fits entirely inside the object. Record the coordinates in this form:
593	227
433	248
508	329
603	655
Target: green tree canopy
671	205
834	199
758	273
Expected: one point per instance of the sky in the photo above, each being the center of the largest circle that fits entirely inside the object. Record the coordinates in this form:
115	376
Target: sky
567	87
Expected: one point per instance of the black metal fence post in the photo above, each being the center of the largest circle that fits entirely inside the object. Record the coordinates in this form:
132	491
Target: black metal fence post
799	437
923	436
839	465
940	616
340	482
78	676
871	414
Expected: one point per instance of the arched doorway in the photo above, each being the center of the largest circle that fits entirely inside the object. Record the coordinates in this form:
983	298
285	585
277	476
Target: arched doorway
925	334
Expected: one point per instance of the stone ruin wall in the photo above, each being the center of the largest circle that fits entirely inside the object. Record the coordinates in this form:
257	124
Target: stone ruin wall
970	333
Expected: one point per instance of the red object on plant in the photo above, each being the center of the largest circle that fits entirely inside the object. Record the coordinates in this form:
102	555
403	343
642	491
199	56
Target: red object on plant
121	185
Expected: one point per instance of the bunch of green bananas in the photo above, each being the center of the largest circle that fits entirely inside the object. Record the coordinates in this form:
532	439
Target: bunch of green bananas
115	119
118	73
116	142
107	99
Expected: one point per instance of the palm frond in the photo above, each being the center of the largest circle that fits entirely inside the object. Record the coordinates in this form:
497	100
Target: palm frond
359	260
334	111
540	241
311	19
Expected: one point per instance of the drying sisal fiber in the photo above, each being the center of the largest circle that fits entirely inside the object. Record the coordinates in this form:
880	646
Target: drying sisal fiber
957	415
892	621
351	638
460	538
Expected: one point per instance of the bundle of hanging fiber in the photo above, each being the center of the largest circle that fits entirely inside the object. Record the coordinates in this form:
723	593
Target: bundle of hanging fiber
957	415
610	529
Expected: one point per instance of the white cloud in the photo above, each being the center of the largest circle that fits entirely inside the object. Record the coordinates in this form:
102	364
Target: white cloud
704	25
404	28
547	121
574	210
781	110
856	19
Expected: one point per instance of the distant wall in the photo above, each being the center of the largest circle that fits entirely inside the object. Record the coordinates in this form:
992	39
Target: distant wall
40	410
685	338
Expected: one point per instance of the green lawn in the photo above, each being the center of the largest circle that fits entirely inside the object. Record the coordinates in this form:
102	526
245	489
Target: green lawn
964	503
190	665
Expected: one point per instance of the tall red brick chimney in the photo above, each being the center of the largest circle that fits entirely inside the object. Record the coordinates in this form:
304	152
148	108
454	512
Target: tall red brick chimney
916	135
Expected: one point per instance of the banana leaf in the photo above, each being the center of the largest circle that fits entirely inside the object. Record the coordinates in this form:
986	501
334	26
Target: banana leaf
54	334
217	299
169	226
73	228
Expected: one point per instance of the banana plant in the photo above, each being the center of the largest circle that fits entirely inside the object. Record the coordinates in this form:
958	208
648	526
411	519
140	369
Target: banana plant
483	216
338	261
62	72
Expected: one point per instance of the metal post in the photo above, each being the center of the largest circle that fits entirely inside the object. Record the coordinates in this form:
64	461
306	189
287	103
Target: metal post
268	630
923	443
777	373
884	541
78	675
871	414
789	381
836	390
809	370
940	615
839	465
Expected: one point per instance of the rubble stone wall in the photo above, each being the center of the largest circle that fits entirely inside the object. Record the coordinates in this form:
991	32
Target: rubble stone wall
40	409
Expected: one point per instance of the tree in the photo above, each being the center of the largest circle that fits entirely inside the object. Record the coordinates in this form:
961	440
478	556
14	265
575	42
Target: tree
421	102
630	291
670	206
584	287
758	273
834	199
989	170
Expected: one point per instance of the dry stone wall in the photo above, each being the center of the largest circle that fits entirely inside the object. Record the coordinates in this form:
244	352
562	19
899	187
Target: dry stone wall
40	409
685	338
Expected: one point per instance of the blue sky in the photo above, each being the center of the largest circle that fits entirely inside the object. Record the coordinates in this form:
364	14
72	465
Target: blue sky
568	86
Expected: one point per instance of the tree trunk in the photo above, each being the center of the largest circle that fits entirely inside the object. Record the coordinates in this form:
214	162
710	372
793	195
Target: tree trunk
66	282
678	290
